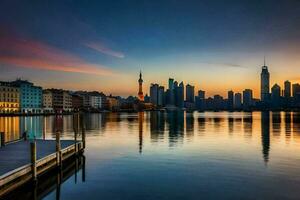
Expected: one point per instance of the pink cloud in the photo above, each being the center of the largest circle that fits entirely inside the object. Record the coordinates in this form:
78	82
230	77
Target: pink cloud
38	55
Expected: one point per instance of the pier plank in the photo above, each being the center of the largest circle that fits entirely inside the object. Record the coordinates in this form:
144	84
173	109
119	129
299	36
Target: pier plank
17	154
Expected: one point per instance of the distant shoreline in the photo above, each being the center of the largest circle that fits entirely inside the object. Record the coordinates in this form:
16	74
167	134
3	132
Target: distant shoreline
136	111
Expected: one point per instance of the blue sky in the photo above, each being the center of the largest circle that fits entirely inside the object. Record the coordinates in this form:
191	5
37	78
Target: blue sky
102	45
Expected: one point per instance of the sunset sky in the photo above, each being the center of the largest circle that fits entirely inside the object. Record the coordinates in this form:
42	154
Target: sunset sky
102	45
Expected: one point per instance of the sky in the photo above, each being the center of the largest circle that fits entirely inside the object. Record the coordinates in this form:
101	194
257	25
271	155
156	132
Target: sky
103	44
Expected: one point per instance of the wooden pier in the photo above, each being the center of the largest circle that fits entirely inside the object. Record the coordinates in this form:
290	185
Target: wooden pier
24	161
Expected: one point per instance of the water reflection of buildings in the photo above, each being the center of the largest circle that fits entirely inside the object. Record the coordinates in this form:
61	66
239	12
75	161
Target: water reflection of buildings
175	121
189	120
248	125
265	135
296	125
11	127
288	121
175	126
201	125
230	125
157	126
276	123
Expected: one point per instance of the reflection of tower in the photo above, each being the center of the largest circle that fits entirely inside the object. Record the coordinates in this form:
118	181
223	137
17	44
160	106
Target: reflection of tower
265	135
140	94
141	121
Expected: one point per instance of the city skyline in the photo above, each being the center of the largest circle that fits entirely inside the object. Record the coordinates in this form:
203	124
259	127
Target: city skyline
214	46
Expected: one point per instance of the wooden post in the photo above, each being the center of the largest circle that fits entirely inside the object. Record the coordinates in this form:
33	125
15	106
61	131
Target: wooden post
25	136
75	141
33	159
76	168
83	168
58	149
58	183
75	127
2	139
83	135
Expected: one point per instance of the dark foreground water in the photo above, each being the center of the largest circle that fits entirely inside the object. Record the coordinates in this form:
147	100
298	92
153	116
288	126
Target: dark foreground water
176	155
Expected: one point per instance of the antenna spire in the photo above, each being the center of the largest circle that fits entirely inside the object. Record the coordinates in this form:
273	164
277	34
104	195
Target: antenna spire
264	60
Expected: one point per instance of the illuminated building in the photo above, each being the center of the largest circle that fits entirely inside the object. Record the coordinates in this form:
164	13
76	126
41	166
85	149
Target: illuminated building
140	93
9	98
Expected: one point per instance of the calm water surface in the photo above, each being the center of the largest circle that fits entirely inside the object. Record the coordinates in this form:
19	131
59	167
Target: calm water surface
178	155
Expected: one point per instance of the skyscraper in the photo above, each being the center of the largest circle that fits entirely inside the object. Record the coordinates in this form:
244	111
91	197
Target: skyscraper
201	94
140	93
180	95
265	84
296	90
247	98
161	96
190	93
171	97
154	94
275	95
200	100
230	100
287	89
296	94
237	100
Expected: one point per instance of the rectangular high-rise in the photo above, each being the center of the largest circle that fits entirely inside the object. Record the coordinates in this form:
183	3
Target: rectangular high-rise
265	84
237	100
154	94
180	95
200	100
230	100
161	96
201	94
247	98
296	89
190	93
287	89
171	92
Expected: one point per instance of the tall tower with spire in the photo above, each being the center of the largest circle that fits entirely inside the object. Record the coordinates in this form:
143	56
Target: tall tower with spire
264	83
140	93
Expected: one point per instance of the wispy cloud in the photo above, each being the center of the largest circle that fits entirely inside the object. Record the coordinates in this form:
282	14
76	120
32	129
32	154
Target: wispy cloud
224	64
39	55
105	50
